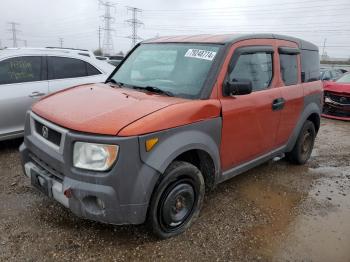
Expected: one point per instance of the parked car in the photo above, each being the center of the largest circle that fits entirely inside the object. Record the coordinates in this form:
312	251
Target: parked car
102	58
77	51
180	115
337	98
29	74
116	57
330	74
115	60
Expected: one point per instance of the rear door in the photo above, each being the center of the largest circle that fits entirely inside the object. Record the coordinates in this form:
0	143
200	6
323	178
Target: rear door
250	122
290	87
65	72
22	82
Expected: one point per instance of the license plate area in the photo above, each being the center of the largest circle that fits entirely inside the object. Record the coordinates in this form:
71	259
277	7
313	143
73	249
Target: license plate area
41	182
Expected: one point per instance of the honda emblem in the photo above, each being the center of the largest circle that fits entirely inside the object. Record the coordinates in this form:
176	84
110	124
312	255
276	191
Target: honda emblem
45	132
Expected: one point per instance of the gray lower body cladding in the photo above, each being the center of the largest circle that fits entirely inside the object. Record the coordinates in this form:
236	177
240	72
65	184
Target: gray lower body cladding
312	105
119	196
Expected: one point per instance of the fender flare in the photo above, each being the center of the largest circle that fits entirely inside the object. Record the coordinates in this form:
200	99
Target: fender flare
311	108
204	135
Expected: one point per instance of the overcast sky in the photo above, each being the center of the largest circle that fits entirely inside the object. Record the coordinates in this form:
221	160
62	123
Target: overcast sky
43	22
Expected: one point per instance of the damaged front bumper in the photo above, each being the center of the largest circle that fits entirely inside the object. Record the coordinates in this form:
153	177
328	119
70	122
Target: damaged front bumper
336	106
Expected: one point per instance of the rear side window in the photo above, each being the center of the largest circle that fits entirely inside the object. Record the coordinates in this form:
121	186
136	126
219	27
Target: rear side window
310	66
63	67
254	67
289	69
91	70
20	70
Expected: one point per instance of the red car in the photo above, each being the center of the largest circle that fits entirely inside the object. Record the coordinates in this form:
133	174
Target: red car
337	98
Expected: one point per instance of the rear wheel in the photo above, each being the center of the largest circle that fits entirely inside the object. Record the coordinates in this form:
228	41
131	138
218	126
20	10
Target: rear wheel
304	144
177	200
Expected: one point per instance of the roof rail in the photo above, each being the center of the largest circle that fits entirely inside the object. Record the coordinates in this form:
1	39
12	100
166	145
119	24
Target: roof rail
66	48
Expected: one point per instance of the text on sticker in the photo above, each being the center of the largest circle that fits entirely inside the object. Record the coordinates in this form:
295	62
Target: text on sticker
201	54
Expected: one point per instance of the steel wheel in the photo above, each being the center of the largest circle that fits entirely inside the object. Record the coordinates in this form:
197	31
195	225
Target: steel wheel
176	200
176	205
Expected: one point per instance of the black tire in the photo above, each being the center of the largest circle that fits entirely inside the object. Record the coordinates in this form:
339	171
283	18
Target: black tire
177	200
303	147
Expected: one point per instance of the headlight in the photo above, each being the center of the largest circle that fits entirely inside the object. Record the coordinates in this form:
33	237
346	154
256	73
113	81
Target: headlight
98	157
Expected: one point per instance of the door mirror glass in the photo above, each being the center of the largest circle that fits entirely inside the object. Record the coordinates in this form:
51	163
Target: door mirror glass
241	87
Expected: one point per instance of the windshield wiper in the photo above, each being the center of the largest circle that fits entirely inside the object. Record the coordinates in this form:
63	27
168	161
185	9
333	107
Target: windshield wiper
155	90
115	82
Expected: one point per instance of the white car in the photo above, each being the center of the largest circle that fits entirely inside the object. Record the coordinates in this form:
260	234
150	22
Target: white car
27	74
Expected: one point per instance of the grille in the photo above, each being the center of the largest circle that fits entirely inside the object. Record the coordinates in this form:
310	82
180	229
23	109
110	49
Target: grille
47	133
50	171
341	99
334	111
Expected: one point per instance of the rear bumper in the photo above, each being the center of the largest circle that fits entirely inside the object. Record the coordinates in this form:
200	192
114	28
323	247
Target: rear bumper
119	196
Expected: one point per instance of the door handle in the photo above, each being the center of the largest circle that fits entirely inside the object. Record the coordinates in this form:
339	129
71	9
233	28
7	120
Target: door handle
278	104
36	94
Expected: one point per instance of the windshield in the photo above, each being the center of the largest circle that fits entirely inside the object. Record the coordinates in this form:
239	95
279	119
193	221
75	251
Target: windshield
344	79
176	69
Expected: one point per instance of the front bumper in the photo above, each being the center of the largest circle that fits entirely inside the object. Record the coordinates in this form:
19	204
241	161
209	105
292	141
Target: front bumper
336	117
335	108
119	196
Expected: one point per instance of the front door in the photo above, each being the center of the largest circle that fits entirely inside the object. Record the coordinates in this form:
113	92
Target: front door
250	122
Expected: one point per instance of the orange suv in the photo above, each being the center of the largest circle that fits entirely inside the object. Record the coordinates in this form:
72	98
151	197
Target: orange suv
178	116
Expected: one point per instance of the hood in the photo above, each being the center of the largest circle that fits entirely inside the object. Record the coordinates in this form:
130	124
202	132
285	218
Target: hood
337	87
99	108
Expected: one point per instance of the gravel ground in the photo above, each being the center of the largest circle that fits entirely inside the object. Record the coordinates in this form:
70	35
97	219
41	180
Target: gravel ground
275	212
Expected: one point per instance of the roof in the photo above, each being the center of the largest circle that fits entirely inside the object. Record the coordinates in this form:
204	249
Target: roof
229	39
46	50
14	52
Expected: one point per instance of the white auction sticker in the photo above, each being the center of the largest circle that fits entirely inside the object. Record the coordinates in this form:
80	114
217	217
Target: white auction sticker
201	54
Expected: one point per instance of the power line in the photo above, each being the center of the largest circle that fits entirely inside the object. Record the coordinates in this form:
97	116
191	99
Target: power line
135	24
108	47
245	6
262	16
14	32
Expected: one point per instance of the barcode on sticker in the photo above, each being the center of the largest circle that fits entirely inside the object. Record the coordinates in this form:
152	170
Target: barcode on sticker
201	54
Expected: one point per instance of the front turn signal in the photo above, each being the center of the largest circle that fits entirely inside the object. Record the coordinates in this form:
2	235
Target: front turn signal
150	143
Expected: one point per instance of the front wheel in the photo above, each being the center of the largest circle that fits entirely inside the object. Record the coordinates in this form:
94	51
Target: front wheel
177	200
304	144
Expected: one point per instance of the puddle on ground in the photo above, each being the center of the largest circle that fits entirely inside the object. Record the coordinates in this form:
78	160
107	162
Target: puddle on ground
322	234
277	205
310	223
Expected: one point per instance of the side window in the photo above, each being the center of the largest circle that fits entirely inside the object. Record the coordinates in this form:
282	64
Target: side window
310	65
335	74
20	70
289	69
63	67
91	70
327	75
255	67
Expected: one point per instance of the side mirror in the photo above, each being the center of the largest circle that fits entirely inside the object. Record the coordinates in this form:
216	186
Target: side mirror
241	87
